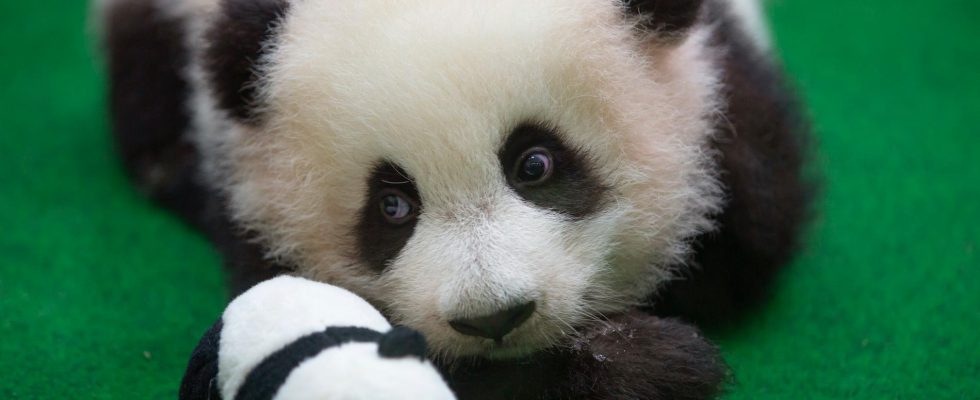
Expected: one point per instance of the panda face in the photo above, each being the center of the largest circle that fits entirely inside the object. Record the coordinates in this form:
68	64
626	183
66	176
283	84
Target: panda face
451	161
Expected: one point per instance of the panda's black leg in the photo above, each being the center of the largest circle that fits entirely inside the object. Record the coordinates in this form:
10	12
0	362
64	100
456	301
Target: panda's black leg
201	374
148	95
761	143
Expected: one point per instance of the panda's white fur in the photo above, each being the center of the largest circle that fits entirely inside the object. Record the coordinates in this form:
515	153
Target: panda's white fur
753	20
436	86
277	312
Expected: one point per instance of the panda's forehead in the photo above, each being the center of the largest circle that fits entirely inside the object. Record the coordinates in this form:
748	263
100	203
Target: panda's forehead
433	86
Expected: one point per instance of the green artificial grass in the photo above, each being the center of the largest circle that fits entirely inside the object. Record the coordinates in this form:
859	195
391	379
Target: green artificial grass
103	296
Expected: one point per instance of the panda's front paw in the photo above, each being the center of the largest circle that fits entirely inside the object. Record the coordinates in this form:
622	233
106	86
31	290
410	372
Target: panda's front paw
631	356
640	356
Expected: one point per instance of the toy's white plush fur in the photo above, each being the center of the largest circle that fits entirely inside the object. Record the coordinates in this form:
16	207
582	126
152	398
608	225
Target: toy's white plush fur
355	372
277	312
436	86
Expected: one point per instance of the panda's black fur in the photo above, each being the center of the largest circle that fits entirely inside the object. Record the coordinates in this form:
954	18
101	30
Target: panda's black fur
762	142
235	44
148	97
761	147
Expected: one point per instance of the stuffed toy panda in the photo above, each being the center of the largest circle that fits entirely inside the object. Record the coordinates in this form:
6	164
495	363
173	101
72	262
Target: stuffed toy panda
537	187
291	338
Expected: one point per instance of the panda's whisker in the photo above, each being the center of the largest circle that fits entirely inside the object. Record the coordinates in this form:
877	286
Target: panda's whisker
564	323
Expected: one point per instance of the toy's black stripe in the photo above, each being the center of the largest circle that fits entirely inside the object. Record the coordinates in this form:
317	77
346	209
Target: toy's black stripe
263	382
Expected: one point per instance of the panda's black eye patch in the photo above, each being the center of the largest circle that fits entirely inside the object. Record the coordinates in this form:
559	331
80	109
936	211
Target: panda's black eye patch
549	174
388	216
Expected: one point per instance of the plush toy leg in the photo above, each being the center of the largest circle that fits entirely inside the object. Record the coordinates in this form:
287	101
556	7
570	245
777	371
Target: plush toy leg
199	381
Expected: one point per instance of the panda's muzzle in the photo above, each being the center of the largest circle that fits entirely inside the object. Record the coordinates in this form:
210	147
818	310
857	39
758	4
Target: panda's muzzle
494	326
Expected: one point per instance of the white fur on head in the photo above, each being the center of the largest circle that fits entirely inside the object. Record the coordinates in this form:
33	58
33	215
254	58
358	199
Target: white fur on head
436	87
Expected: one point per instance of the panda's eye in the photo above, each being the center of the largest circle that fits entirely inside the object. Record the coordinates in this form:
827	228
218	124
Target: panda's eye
534	166
396	207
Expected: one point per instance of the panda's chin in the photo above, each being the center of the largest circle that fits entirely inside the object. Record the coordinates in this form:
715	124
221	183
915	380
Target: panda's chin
503	350
506	352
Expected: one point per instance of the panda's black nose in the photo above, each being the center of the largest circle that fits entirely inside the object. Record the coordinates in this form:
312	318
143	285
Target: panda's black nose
496	325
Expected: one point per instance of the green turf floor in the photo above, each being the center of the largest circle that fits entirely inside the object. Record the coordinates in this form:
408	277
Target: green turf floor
103	296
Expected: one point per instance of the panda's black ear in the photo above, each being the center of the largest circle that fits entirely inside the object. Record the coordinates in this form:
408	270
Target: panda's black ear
666	18
237	40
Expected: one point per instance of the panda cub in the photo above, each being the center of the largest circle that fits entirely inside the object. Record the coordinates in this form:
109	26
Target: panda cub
501	176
